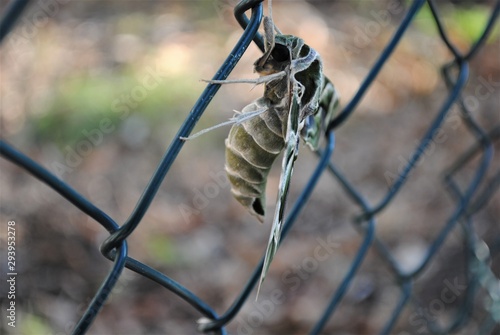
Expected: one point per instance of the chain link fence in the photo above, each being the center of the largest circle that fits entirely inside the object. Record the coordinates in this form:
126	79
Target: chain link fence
469	197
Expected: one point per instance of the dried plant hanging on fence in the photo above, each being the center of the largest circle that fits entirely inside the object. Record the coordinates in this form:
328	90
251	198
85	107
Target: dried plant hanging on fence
298	102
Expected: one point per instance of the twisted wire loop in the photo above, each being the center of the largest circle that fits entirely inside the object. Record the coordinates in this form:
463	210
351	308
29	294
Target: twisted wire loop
469	200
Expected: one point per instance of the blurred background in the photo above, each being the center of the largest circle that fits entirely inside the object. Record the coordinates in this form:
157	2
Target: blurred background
96	91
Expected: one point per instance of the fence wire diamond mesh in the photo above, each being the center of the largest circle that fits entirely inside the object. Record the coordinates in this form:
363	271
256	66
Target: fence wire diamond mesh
469	196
